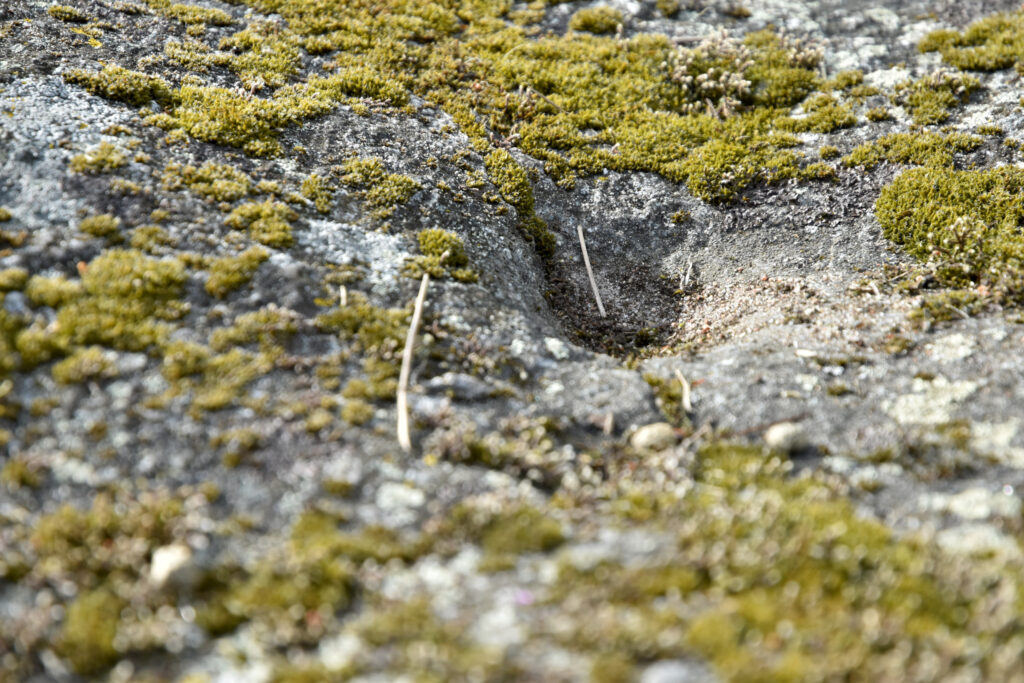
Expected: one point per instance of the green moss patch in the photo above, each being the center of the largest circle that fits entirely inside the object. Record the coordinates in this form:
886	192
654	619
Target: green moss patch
989	44
931	98
602	19
219	182
268	222
964	222
924	148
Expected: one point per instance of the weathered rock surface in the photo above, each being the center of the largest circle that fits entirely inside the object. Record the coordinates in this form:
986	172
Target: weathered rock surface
201	478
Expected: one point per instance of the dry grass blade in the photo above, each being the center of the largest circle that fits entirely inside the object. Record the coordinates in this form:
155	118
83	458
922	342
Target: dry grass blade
685	389
402	396
590	273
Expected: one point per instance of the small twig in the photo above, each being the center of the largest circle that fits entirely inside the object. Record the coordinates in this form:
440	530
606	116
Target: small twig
685	400
962	313
765	426
686	280
402	394
343	295
590	273
545	98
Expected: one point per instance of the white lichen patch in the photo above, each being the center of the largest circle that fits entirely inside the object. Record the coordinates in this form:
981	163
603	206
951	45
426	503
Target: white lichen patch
994	439
930	402
977	539
972	504
950	348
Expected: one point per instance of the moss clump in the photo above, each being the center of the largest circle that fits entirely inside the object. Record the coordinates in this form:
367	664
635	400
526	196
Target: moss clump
669	395
67	13
103	225
716	169
930	99
845	80
926	148
268	222
225	375
988	44
381	190
513	183
122	85
356	411
87	638
824	115
828	152
184	358
378	331
19	473
765	558
443	254
599	20
267	56
90	363
877	114
317	190
125	297
219	182
269	327
53	292
102	159
5	215
231	272
237	445
190	14
12	279
964	222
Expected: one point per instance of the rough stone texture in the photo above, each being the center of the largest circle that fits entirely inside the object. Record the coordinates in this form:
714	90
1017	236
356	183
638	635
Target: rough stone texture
774	308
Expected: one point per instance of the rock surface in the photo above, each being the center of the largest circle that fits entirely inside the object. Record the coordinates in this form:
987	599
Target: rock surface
207	268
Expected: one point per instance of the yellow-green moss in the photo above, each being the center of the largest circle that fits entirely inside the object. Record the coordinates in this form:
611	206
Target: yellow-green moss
219	182
925	148
269	327
930	98
12	279
268	222
988	44
225	376
317	190
824	115
668	8
443	254
90	628
237	445
228	273
103	225
965	222
356	411
123	85
183	358
90	363
126	297
601	19
101	159
5	215
20	473
381	190
828	152
67	13
52	291
877	114
513	183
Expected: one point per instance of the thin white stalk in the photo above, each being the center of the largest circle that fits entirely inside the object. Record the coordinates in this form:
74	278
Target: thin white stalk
685	398
403	378
590	273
